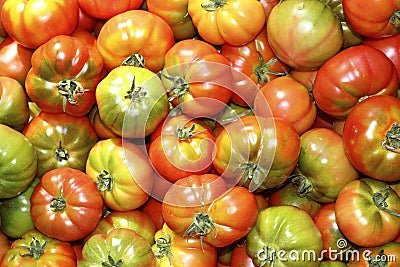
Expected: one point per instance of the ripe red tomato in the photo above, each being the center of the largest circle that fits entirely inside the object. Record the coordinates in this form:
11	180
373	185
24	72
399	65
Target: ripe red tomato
352	75
107	9
32	23
152	208
66	205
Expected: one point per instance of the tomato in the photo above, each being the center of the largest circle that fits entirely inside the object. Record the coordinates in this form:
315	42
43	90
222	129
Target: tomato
377	19
37	249
132	250
323	168
171	249
352	75
280	237
175	13
184	147
287	195
85	21
332	237
3	32
152	207
304	33
258	62
64	83
268	6
18	163
108	9
332	264
240	258
257	152
197	77
15	213
65	204
288	99
122	188
101	129
15	60
4	244
137	38
32	23
374	209
14	108
132	95
306	77
385	255
60	140
370	137
219	22
201	206
390	46
135	220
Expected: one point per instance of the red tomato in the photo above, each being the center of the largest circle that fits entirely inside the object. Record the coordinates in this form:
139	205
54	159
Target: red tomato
135	37
34	22
288	99
379	18
85	21
3	32
66	205
352	75
268	6
306	77
107	9
152	207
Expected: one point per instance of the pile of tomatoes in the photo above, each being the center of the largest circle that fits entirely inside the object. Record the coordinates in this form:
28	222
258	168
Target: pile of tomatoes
200	133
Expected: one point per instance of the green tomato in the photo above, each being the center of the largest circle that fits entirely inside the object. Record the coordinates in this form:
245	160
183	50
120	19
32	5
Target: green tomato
18	162
15	213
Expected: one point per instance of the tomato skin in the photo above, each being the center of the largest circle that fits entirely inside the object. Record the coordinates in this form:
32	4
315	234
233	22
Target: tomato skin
68	83
385	255
376	19
135	32
15	60
122	188
363	200
227	23
365	140
183	251
287	99
108	9
4	244
85	21
152	207
300	46
101	129
23	20
132	249
349	76
14	108
283	228
60	140
240	258
56	253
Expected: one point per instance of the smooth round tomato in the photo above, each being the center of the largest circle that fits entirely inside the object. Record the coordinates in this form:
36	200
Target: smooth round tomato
220	22
374	209
304	33
184	147
370	137
37	249
15	60
119	247
122	188
107	9
323	168
377	19
257	152
352	75
60	140
18	163
14	108
136	38
32	23
65	204
288	99
131	101
281	235
172	249
64	83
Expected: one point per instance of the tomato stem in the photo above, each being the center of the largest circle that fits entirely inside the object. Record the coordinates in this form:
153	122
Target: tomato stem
61	153
111	262
380	200
35	249
105	181
392	141
379	260
187	132
201	226
262	70
395	19
58	203
179	88
305	186
136	60
135	93
164	247
71	90
252	171
214	5
266	256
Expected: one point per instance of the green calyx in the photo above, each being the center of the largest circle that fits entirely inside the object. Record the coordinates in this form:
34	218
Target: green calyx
71	90
35	249
110	262
136	60
163	247
213	5
392	140
105	181
262	70
380	198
